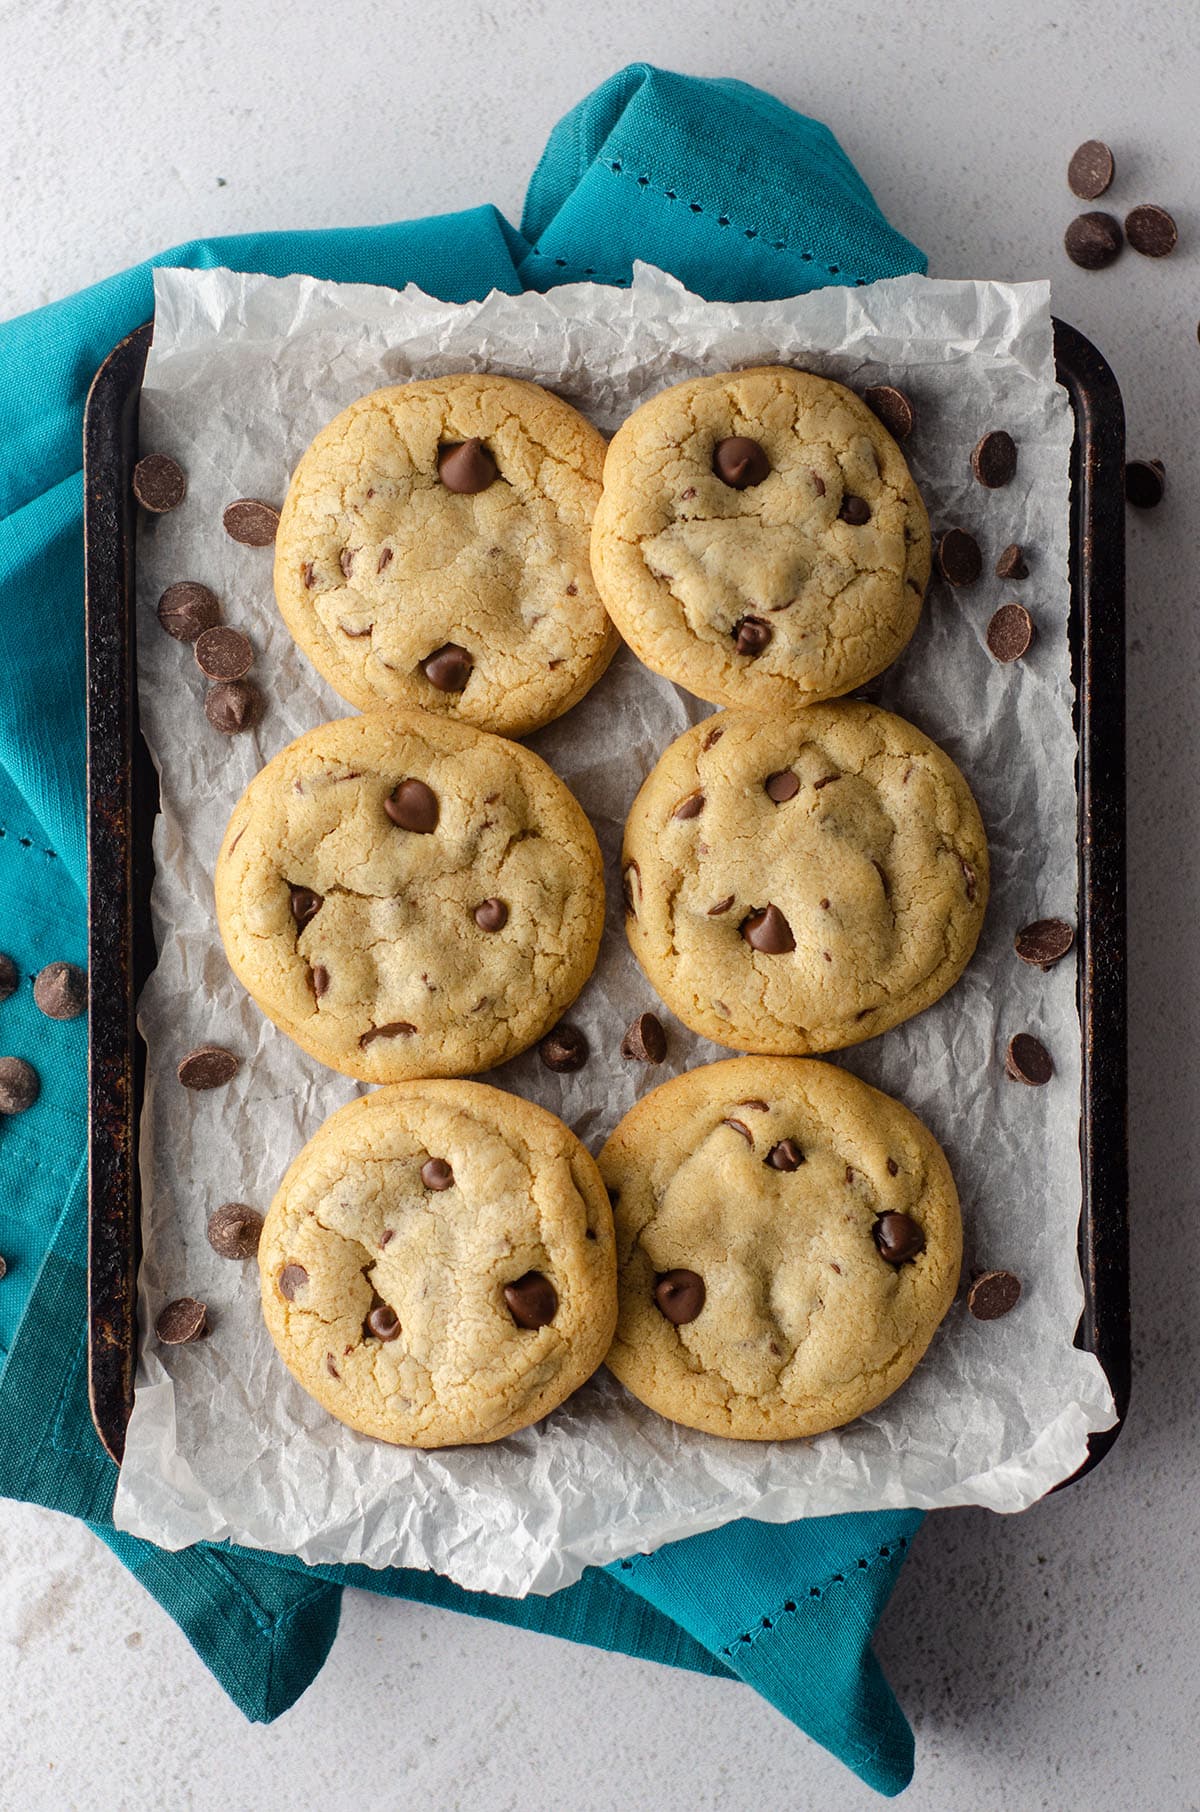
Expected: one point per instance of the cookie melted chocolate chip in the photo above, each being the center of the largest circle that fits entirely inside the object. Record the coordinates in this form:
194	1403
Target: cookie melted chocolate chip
413	806
680	1295
740	462
898	1238
448	668
467	468
532	1300
305	904
768	932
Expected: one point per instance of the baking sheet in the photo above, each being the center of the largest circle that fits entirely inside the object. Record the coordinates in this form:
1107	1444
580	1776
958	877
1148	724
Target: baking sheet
222	1443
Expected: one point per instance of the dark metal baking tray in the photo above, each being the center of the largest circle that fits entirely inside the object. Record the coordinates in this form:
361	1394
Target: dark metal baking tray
123	799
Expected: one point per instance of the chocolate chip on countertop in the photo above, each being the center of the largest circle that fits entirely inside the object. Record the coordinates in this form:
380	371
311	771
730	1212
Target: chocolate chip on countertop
751	635
532	1300
223	653
1010	632
893	408
19	1085
959	559
413	806
740	462
769	932
437	1175
782	786
491	915
645	1041
787	1155
60	990
234	1230
182	1320
208	1066
1044	942
291	1279
993	1294
680	1295
1028	1060
898	1238
854	510
1011	564
383	1321
467	468
251	521
1090	170
994	459
448	668
159	483
305	903
188	608
564	1049
8	976
232	706
1151	231
1145	483
1093	241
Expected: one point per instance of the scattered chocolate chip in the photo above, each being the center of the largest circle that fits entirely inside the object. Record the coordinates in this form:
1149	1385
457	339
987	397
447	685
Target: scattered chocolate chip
60	990
1010	632
383	1322
1044	942
782	786
680	1296
893	409
436	1174
188	608
232	706
448	668
898	1238
631	886
564	1049
958	557
1028	1060
491	915
251	521
8	977
714	912
1145	483
318	979
751	635
413	806
208	1066
787	1155
19	1085
1011	564
740	1127
158	483
396	1028
1090	170
182	1320
854	510
740	462
994	460
466	468
691	807
1093	240
223	653
291	1279
645	1041
305	903
234	1230
769	932
532	1300
385	559
993	1294
1151	231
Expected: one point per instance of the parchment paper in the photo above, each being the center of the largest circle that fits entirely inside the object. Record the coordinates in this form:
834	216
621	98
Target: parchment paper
242	373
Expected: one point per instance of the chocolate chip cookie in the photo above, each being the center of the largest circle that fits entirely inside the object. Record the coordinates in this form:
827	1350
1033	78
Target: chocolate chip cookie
433	551
788	1240
408	896
438	1265
760	539
800	882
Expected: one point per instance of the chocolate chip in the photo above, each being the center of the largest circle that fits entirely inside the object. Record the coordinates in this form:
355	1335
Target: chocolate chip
1011	564
1090	170
396	1028
466	468
308	574
1145	483
721	906
1028	1060
969	877
751	635
760	1107
305	904
1151	231
19	1085
645	1041
893	1169
993	1294
330	1367
898	1238
208	1066
491	915
158	483
958	557
356	635
385	559
1044	942
564	1049
186	609
854	510
994	460
740	462
60	990
679	1295
448	667
893	409
8	977
818	484
234	1230
782	786
182	1320
346	561
413	806
383	1322
436	1174
740	1127
714	736
691	807
251	521
1093	240
319	979
787	1155
1010	632
768	931
291	1279
631	886
223	653
532	1300
232	706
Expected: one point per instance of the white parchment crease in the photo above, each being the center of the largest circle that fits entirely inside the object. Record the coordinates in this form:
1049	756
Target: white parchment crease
243	372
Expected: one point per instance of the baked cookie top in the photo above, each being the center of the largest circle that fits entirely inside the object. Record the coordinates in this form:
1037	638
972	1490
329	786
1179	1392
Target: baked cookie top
799	883
409	897
788	1240
433	551
760	539
437	1266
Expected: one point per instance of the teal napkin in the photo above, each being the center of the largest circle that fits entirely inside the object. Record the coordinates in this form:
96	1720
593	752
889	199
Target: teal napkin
740	197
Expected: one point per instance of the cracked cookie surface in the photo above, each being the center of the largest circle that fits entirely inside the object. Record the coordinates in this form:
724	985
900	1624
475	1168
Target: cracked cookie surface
438	1264
799	883
755	1300
767	591
408	896
380	566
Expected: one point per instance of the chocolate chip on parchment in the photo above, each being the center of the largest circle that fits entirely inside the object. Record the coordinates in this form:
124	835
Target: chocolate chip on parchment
383	1321
854	510
19	1085
740	462
448	667
413	806
1151	231
1045	942
208	1066
291	1279
466	468
1090	170
994	459
60	990
679	1295
782	786
958	557
532	1300
188	608
898	1238
1093	241
251	521
768	931
1145	483
182	1320
564	1049
159	483
993	1294
436	1174
305	903
1028	1060
232	706
491	915
223	653
234	1230
691	807
893	408
787	1155
8	976
1011	564
1010	632
645	1041
751	635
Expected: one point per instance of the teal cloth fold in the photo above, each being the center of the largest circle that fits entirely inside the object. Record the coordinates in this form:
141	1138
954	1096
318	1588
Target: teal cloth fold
740	197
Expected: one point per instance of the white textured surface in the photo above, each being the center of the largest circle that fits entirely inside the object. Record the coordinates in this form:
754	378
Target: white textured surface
1048	1661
